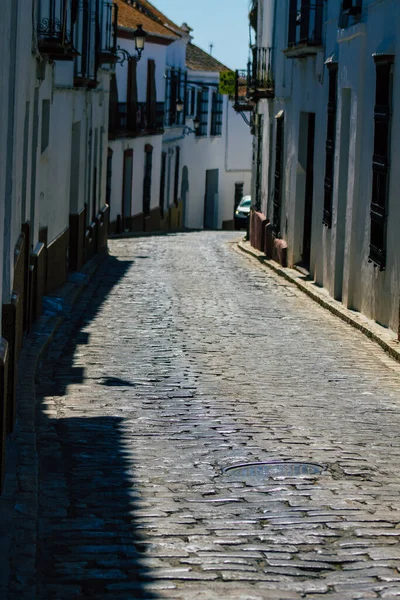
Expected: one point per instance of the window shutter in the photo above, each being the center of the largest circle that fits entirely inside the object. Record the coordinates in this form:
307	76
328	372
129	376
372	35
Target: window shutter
151	97
381	159
132	100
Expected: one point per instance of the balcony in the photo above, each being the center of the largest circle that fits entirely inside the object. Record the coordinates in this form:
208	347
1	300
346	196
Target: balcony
261	83
134	120
305	28
253	14
257	82
108	24
243	102
55	29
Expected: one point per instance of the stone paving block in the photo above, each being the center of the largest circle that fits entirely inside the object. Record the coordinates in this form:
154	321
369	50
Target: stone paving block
172	368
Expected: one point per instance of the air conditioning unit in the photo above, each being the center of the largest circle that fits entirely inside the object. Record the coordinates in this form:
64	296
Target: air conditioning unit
352	7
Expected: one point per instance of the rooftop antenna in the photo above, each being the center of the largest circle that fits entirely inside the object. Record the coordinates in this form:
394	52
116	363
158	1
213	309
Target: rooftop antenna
211	49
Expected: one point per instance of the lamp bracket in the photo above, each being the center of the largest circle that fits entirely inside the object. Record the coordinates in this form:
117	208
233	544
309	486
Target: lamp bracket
123	55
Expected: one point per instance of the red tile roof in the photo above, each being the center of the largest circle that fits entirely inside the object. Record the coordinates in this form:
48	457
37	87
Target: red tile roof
140	12
198	60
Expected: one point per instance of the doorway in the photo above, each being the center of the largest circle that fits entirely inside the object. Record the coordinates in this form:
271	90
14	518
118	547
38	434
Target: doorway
211	199
309	192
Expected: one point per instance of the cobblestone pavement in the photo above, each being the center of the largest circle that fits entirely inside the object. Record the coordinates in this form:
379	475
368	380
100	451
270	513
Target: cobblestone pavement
197	359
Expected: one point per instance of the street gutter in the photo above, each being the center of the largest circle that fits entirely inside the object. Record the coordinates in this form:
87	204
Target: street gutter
386	338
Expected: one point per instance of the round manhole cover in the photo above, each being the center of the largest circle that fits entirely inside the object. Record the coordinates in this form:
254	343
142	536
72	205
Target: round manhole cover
268	470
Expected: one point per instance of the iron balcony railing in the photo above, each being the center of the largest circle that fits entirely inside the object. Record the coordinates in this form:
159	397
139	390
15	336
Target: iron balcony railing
138	117
262	81
257	82
305	23
55	24
108	23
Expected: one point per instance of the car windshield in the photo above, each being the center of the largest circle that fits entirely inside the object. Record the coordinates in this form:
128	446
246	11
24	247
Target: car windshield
245	202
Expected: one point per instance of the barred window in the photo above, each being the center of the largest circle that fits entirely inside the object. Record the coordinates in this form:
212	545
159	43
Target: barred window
191	101
350	12
305	22
217	113
278	176
202	112
330	145
174	91
380	161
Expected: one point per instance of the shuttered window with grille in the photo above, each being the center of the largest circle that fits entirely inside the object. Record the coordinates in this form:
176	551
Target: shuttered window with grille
278	175
381	158
330	145
202	112
216	113
175	90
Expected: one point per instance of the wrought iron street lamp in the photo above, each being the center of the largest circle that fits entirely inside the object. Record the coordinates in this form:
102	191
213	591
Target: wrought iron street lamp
179	105
196	126
139	35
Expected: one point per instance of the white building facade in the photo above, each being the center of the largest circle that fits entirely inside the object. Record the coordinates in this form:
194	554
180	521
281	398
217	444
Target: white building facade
54	90
165	174
327	143
214	158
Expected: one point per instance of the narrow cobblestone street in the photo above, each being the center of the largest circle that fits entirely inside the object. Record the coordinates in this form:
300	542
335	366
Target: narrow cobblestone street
183	358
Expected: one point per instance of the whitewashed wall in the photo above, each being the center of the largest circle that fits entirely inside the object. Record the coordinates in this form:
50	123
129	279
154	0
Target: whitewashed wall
230	153
339	255
156	52
118	148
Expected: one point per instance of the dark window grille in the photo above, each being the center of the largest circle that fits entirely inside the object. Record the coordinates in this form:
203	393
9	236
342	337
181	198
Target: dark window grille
352	7
108	19
148	170
109	176
202	112
305	22
276	223
175	90
86	41
55	23
330	145
350	12
45	138
257	200
381	159
162	181
217	109
135	121
176	175
132	94
151	97
191	102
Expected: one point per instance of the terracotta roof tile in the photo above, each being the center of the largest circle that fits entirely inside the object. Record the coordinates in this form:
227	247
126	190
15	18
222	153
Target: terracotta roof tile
146	6
198	60
131	17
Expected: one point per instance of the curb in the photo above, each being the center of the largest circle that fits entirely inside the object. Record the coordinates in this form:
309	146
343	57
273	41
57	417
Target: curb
378	334
19	503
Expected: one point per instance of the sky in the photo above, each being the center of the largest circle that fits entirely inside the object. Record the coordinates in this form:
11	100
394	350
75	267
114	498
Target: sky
223	23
